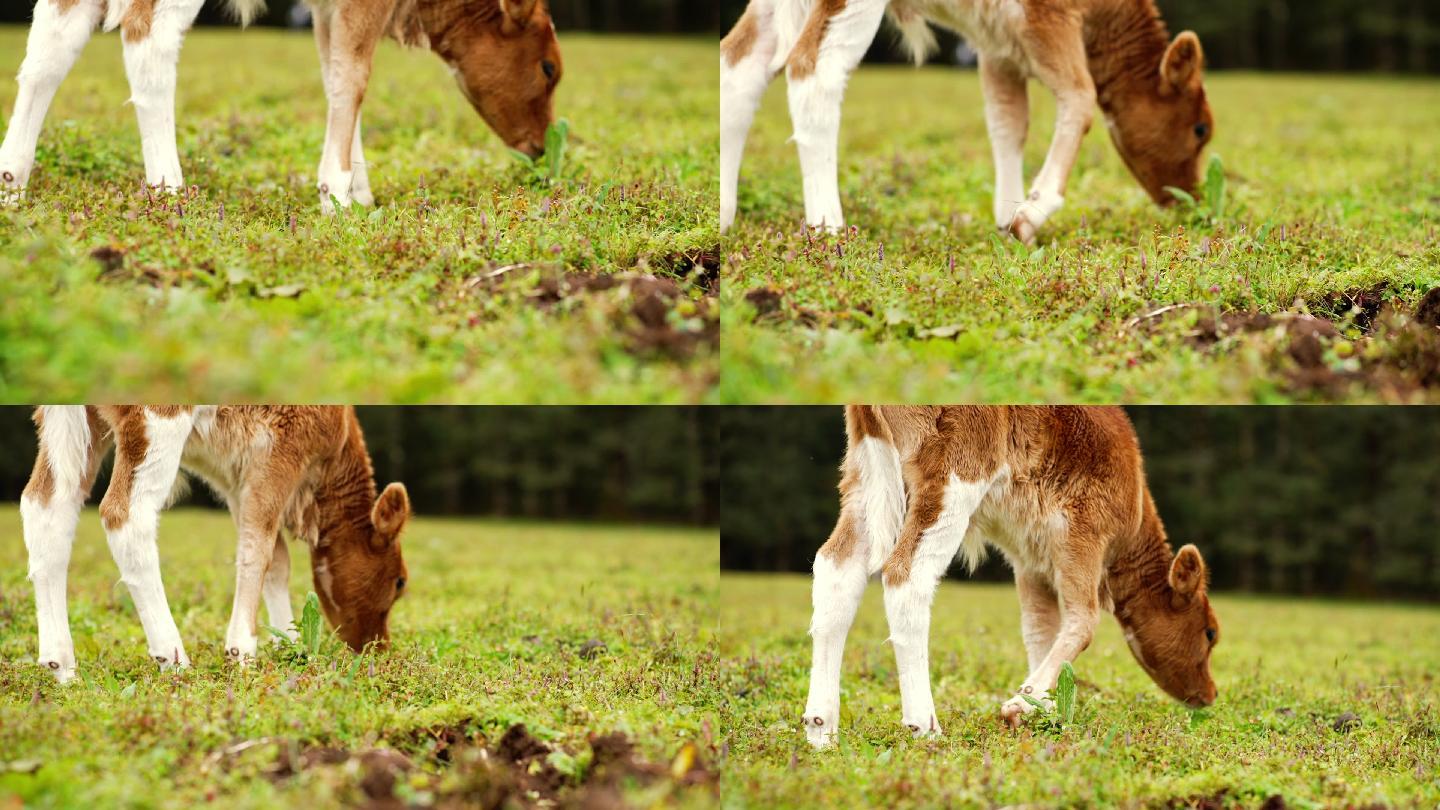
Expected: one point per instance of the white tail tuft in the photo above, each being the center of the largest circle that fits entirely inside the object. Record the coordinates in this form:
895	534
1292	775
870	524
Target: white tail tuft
65	441
915	34
882	497
245	10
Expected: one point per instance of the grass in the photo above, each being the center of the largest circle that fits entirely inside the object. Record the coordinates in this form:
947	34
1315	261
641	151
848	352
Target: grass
460	285
1333	196
498	626
1286	669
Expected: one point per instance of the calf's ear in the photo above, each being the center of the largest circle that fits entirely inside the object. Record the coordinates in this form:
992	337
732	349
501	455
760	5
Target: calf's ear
1182	61
517	13
1187	572
391	511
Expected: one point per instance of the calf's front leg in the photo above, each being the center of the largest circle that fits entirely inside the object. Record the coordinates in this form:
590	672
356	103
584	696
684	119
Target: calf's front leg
151	54
827	51
276	590
1079	593
56	38
1007	118
350	41
147	459
1060	64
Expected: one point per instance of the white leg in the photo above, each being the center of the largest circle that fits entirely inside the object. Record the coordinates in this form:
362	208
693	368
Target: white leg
277	589
132	515
55	42
815	97
1079	593
1007	117
911	576
253	554
839	584
150	63
742	84
49	512
360	183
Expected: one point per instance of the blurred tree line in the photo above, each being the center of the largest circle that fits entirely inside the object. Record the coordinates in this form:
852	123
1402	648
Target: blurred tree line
1332	35
635	16
1341	501
580	463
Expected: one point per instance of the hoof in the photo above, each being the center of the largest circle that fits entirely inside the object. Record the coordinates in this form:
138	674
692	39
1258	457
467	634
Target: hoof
819	733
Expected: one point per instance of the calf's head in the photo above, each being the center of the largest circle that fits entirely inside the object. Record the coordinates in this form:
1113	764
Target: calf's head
1161	123
360	577
508	66
1171	631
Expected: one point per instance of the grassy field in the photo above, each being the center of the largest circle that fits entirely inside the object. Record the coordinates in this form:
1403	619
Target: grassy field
1287	671
572	630
1306	288
474	279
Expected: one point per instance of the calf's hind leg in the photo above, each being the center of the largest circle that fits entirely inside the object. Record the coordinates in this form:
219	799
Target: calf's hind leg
360	192
747	55
830	46
147	459
277	589
351	45
57	36
152	52
839	584
49	511
935	524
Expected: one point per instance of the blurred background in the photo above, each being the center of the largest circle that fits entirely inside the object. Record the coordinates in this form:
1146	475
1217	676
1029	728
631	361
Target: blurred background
1330	35
632	464
1339	501
610	16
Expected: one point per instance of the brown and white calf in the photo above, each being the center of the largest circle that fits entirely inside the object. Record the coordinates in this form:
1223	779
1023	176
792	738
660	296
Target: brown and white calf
301	470
1114	52
503	54
1061	492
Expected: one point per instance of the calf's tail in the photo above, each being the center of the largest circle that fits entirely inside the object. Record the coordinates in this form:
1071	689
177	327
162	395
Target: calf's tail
790	17
245	10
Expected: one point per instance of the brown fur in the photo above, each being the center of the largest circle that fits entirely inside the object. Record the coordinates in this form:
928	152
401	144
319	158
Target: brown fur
65	5
41	487
499	51
135	25
741	40
807	47
1085	464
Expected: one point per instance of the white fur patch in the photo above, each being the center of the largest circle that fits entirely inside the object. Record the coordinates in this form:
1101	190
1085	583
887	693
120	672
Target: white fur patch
881	497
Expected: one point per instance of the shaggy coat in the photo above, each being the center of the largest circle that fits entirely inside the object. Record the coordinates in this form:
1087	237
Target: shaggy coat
1116	53
503	54
1060	492
302	471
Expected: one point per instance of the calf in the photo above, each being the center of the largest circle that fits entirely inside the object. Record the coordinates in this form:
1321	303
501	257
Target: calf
503	54
1061	492
280	469
1116	52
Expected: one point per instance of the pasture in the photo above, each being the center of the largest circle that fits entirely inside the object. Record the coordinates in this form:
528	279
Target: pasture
476	277
1308	285
1324	704
582	633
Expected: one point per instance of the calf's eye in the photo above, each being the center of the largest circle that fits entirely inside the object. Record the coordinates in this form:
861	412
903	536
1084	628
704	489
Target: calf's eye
399	584
549	68
1210	634
1201	130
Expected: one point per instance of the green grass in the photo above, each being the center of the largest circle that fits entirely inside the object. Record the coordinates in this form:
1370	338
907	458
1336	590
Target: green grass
1285	668
272	300
489	633
1332	187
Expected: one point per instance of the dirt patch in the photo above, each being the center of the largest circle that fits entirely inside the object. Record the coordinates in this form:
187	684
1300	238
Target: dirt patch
454	766
765	300
658	315
1396	354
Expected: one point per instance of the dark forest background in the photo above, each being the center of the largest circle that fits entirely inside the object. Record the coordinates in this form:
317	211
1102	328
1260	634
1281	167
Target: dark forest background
1330	35
615	16
572	463
1339	501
